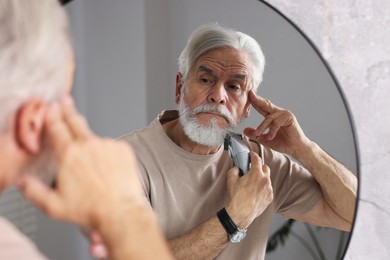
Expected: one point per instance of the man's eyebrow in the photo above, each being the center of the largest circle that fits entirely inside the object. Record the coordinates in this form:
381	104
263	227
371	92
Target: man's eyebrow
239	76
209	71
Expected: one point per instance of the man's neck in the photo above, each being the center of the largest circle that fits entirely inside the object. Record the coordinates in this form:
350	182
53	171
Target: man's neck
10	151
175	131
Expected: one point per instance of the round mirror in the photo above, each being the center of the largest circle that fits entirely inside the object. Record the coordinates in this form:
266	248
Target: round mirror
296	77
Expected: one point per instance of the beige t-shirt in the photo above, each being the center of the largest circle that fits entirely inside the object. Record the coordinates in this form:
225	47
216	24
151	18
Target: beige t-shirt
14	245
186	189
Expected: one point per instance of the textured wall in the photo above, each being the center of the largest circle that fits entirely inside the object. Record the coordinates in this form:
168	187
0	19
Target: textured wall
354	37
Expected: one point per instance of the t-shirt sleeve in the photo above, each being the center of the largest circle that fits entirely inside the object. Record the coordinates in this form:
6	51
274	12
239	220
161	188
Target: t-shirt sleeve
295	189
143	175
145	182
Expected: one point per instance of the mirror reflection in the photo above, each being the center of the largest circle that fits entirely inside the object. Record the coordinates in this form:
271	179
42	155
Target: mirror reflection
128	75
295	78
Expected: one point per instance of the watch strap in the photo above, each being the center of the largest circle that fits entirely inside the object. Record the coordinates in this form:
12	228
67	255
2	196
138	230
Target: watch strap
226	221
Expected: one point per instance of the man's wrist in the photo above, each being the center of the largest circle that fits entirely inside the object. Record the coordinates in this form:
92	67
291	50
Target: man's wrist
119	212
307	148
124	216
235	233
237	218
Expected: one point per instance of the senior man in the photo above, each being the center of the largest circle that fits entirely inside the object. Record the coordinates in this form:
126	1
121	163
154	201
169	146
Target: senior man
202	204
97	185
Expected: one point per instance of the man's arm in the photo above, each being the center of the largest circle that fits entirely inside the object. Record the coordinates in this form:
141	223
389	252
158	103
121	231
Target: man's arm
338	184
203	242
248	197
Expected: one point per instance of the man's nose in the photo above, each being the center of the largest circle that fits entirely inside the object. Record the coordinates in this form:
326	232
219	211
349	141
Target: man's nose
218	94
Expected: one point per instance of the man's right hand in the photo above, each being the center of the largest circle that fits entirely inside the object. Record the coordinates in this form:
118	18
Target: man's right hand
249	195
97	187
94	175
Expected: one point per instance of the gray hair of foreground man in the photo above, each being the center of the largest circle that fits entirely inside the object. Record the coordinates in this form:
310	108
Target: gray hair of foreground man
34	53
213	36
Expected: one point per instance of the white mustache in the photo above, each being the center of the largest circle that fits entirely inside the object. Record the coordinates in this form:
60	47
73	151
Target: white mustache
221	110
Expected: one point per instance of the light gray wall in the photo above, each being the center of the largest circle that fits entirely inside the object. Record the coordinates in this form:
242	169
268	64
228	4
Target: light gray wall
110	80
126	55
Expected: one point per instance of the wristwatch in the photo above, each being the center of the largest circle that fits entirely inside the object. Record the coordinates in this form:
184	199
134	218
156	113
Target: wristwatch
235	233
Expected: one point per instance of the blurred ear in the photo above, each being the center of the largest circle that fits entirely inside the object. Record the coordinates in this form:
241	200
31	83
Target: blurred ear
179	87
29	125
247	110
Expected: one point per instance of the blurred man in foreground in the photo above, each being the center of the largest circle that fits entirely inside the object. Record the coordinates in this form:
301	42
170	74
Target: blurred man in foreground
41	133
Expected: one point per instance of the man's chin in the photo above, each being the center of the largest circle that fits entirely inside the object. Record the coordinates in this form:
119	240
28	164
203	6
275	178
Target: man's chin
208	136
213	120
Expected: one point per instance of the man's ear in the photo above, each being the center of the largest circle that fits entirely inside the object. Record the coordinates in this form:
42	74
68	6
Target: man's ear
179	85
247	110
30	124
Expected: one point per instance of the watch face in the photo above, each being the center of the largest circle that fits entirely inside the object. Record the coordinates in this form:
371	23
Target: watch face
238	236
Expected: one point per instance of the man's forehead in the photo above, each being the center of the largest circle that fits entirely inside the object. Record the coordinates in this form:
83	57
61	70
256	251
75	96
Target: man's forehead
231	73
224	59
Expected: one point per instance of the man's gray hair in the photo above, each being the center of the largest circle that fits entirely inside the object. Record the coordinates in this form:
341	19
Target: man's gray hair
213	36
34	52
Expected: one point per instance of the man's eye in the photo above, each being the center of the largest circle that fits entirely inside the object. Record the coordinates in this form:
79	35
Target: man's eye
206	81
234	87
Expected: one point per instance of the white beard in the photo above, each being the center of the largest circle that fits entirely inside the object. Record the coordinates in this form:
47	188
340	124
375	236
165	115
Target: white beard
210	135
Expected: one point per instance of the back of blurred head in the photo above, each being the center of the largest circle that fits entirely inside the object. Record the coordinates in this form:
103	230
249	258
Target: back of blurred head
36	66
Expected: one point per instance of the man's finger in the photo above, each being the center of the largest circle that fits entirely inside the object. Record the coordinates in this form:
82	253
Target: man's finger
266	170
40	195
95	237
261	105
97	247
255	160
76	123
232	176
261	129
57	132
98	250
273	130
250	132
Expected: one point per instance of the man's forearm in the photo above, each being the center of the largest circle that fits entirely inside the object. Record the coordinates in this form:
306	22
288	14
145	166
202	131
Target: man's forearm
203	242
338	184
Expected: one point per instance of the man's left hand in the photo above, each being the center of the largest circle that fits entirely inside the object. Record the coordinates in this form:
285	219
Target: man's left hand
284	133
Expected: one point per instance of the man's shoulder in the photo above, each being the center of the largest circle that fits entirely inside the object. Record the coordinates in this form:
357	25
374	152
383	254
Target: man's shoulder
153	130
135	135
146	141
142	134
14	244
